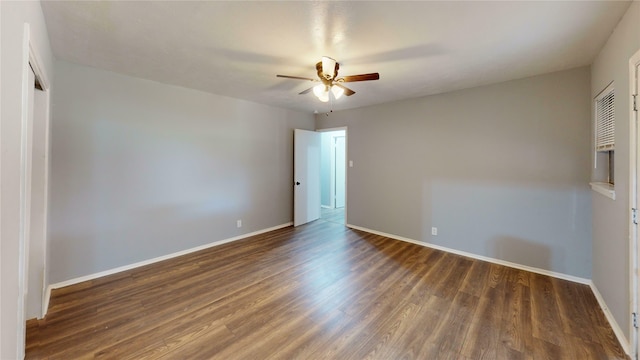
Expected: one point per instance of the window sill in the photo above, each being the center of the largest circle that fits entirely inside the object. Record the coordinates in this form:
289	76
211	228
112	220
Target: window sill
605	189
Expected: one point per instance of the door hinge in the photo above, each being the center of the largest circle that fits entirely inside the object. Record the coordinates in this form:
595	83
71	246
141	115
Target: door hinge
634	317
634	215
635	102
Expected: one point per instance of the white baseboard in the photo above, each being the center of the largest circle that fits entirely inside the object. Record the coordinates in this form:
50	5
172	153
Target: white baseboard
624	342
479	257
154	260
612	321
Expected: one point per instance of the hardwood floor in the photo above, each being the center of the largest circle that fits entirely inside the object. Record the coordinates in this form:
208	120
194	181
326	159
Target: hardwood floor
322	291
335	215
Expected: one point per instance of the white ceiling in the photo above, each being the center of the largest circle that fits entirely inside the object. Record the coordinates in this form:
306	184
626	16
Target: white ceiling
419	48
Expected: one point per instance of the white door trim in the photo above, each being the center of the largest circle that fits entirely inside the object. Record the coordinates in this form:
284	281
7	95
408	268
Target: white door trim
633	202
30	62
38	69
24	192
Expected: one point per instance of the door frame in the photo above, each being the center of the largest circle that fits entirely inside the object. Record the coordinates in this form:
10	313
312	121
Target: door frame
346	164
42	113
634	173
31	62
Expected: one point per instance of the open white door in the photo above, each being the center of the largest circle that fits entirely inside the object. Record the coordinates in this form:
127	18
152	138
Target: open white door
306	176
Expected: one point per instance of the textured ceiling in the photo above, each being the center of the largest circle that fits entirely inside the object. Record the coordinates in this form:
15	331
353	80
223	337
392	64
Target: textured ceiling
419	48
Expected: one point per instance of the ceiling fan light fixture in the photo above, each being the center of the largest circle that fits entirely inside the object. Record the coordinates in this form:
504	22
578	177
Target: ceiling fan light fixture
337	92
321	91
328	67
328	82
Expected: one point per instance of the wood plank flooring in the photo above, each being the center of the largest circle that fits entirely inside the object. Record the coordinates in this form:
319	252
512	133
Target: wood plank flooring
322	291
335	215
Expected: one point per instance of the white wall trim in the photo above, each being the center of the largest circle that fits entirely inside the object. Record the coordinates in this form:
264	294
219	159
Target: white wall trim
38	69
155	260
634	61
478	257
332	129
624	342
605	189
25	191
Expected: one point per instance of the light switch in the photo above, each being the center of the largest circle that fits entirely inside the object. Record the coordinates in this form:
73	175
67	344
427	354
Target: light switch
350	163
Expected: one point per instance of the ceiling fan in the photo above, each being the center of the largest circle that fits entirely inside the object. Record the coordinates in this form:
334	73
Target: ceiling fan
329	80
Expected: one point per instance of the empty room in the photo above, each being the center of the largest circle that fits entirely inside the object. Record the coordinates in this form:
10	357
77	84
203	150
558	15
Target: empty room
319	179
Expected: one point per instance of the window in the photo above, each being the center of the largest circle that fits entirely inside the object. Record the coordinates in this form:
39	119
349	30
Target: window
605	136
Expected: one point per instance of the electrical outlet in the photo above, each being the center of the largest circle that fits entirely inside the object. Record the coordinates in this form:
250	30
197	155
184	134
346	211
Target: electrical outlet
434	231
239	223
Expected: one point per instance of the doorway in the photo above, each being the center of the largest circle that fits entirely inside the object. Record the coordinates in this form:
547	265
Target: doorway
333	178
314	169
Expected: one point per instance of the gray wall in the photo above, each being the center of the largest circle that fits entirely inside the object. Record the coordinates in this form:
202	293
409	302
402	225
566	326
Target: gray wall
611	217
13	17
142	169
501	170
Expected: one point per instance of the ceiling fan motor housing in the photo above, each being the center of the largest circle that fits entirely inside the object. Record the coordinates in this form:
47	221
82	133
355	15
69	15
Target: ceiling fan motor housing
326	78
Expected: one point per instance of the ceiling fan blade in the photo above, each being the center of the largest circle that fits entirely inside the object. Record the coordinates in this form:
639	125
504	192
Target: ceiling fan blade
362	77
347	91
296	77
306	91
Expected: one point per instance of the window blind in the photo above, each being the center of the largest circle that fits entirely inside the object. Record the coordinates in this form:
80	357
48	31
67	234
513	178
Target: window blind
605	121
